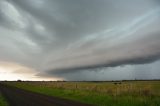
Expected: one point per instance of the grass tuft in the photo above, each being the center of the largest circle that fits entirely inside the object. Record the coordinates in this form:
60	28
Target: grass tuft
3	102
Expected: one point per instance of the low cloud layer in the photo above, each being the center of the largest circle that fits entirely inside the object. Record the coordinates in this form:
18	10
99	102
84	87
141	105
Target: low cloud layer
66	38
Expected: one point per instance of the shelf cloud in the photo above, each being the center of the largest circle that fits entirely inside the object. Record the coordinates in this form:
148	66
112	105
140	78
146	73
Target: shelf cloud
66	38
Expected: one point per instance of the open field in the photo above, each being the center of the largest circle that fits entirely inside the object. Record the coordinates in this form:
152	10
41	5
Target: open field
3	102
20	97
128	93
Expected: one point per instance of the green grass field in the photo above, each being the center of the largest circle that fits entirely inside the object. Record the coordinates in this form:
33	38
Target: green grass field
3	102
128	93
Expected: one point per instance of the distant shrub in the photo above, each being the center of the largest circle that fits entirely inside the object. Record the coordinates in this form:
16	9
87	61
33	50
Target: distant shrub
19	80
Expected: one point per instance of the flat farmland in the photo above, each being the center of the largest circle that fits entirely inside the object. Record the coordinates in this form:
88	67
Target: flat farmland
125	93
3	102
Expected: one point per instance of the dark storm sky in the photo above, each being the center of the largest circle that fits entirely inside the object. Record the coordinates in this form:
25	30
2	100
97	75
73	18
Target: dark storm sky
80	39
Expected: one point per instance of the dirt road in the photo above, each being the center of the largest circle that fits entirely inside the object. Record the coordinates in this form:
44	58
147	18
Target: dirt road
20	97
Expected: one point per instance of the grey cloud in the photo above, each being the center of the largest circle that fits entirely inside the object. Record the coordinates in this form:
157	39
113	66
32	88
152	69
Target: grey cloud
143	50
62	37
142	71
79	18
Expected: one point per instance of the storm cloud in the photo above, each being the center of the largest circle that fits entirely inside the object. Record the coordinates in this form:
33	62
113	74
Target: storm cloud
65	38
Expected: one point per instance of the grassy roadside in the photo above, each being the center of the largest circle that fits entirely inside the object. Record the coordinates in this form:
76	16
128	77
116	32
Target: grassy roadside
3	102
99	94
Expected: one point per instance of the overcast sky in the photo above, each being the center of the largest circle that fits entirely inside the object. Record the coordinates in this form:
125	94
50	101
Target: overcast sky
79	39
